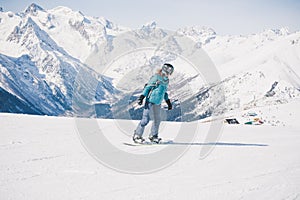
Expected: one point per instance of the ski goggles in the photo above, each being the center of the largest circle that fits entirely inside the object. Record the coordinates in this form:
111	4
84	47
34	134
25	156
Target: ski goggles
167	69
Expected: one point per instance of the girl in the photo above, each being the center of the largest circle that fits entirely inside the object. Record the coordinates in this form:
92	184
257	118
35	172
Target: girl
155	91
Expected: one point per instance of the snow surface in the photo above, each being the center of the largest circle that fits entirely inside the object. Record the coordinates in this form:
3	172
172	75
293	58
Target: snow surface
43	158
46	57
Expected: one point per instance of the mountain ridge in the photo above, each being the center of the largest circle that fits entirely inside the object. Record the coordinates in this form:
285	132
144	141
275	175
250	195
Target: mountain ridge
37	48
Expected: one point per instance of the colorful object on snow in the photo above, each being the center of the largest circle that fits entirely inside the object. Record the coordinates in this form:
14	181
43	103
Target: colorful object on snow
255	121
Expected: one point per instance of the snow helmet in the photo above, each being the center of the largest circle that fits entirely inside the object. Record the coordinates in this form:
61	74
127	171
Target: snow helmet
167	69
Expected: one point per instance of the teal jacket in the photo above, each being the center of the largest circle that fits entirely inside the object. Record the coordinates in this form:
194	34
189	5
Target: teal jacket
156	89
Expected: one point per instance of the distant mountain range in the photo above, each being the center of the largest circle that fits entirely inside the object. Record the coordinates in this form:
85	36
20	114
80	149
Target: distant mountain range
63	63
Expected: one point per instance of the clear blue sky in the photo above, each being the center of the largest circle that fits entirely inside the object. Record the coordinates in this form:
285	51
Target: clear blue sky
224	16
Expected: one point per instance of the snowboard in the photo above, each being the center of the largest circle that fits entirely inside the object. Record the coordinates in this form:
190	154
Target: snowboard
148	143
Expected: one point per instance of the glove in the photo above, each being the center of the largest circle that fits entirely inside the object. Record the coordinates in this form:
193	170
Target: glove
169	104
140	100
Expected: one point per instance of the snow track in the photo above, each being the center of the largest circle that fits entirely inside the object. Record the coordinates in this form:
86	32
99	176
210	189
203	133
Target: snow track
42	158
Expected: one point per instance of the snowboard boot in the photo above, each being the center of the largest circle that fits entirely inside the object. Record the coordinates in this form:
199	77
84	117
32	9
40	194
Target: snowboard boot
138	139
154	139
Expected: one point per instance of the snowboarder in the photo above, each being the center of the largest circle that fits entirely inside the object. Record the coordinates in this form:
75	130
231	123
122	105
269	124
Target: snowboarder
154	92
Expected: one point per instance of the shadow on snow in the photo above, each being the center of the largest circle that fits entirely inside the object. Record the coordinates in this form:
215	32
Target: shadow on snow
215	144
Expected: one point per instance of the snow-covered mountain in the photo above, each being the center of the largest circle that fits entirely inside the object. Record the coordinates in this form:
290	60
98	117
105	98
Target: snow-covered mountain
42	74
256	71
61	62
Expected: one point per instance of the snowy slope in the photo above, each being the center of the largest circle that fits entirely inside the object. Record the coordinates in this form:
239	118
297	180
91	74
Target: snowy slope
9	103
49	162
239	53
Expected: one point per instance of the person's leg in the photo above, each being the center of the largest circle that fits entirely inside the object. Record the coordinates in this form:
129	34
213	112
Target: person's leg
156	110
144	121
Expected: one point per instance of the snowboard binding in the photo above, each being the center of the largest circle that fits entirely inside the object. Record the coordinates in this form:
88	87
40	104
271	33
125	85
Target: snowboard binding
138	139
154	139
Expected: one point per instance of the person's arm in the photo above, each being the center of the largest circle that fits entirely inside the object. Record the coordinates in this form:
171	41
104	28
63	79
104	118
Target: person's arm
166	97
147	89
